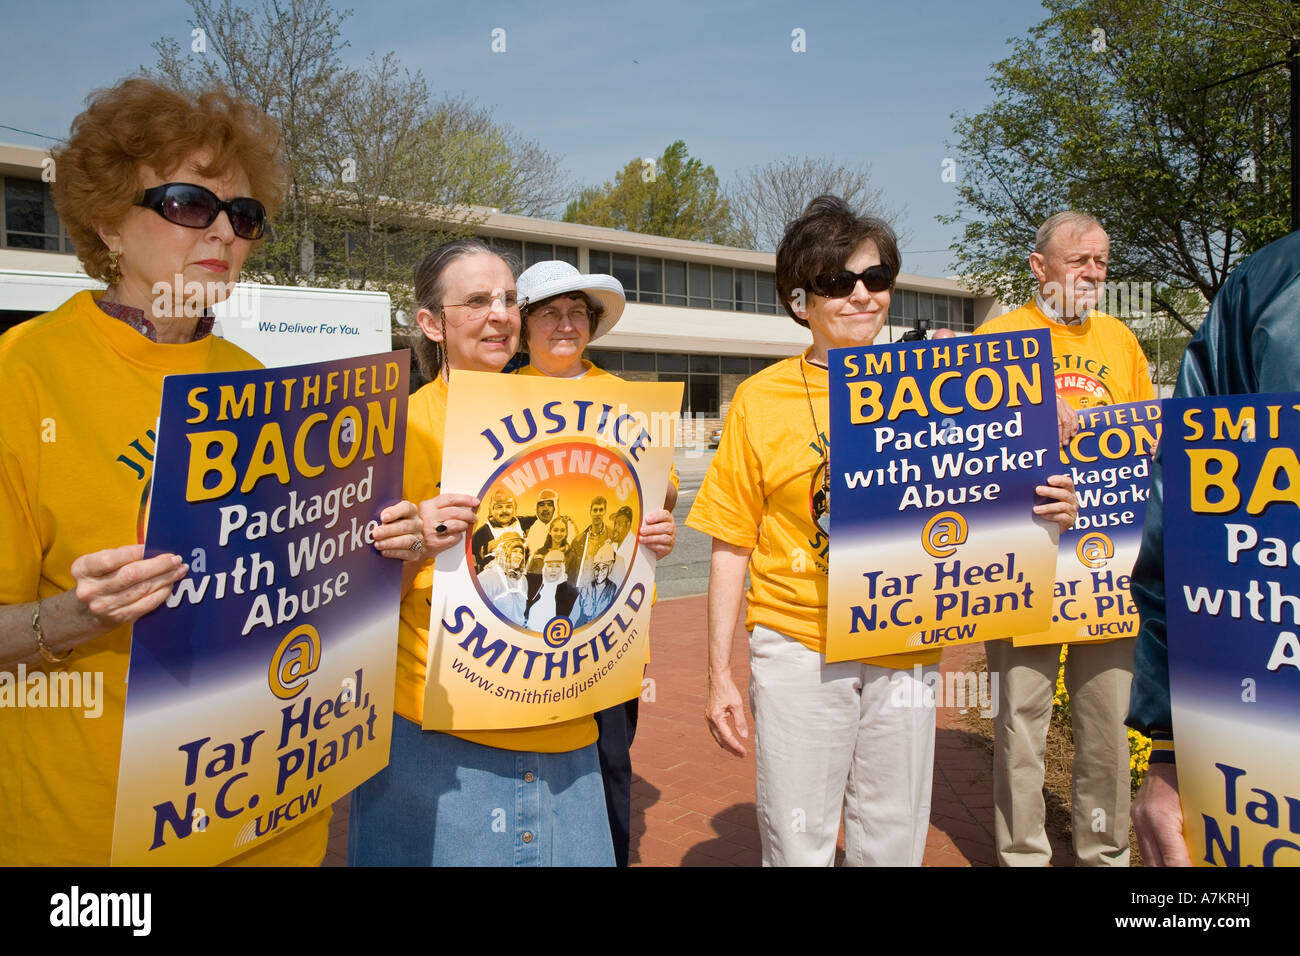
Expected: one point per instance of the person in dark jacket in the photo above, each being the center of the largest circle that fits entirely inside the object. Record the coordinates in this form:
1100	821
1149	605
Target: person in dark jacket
1249	342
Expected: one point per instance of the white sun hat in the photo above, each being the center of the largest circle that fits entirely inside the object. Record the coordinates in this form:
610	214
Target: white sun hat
545	279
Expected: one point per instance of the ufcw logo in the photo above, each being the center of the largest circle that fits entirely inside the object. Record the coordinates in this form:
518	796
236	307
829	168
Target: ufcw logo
297	656
1094	550
943	533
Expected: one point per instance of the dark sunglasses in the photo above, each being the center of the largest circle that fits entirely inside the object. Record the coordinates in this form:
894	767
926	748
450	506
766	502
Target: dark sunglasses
188	205
837	285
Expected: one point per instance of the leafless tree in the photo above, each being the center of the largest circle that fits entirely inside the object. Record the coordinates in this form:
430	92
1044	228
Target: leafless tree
766	198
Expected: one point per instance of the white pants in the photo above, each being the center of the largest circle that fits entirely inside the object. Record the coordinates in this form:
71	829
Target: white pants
830	737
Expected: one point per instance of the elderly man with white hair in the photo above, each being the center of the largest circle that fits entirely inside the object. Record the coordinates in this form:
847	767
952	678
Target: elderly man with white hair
1097	361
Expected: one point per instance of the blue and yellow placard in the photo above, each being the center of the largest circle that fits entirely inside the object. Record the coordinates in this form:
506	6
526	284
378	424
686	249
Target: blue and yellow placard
936	448
1109	459
1232	598
262	690
543	615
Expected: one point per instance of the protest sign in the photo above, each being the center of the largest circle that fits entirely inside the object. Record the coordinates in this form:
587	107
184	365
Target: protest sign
936	448
1232	597
543	615
262	690
1109	459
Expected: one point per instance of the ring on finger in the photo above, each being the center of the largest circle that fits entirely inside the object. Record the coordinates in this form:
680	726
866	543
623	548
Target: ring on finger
440	528
417	545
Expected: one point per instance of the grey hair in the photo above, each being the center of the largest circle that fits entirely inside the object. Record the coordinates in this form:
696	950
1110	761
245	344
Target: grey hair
1053	223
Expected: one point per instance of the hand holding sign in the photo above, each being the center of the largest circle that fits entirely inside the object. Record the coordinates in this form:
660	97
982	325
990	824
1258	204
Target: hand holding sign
1064	506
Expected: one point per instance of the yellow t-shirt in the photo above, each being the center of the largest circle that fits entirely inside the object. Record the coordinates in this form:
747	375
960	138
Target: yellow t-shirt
79	399
422	479
758	494
1097	362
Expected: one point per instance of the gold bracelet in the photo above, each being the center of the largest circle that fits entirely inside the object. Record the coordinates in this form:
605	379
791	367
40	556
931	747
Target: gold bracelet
49	655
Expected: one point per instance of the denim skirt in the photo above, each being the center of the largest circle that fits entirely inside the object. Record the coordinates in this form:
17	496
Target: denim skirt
443	801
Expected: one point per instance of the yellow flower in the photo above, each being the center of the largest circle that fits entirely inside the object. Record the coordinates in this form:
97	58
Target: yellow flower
1061	698
1139	762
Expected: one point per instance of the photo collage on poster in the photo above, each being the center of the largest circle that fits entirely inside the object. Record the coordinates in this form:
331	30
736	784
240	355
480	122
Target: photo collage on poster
560	549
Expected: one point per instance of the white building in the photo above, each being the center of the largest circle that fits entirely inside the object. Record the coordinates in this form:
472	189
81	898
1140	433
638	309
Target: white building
697	313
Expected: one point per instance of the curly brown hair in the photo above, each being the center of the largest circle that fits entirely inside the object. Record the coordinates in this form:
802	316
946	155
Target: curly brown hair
141	124
821	240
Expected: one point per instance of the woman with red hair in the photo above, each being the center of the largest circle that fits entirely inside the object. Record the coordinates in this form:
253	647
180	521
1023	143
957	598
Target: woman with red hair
164	196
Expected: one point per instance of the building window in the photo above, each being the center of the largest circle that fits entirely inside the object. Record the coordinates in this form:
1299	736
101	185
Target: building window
746	290
30	221
723	289
925	308
692	284
521	255
509	249
625	272
651	275
671	362
704	394
638	361
768	303
674	282
607	359
700	375
535	252
701	297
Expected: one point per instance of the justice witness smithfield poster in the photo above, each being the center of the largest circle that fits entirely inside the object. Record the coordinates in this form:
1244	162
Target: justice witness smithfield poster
936	448
1232	600
543	615
262	691
1109	459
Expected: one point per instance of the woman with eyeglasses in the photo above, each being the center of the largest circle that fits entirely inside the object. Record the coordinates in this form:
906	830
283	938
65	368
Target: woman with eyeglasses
829	737
164	195
564	311
520	797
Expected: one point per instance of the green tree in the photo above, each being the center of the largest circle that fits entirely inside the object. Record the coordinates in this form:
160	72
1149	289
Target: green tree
1107	106
674	195
378	170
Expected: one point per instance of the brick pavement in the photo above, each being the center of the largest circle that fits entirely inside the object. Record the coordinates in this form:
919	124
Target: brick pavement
693	804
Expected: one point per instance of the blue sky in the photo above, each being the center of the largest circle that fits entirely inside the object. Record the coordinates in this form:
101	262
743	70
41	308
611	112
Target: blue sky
598	83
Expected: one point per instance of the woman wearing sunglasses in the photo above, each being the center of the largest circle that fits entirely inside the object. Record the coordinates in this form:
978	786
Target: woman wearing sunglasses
163	196
523	797
563	312
829	737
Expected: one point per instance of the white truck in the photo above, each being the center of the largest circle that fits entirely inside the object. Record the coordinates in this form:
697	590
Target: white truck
278	325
